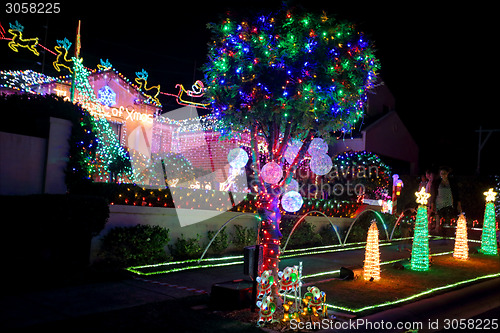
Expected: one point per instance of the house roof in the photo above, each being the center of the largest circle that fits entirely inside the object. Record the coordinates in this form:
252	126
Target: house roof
29	80
389	136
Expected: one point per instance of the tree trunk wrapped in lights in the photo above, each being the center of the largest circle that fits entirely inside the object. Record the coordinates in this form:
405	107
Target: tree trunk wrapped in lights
372	254
286	76
461	250
488	236
420	247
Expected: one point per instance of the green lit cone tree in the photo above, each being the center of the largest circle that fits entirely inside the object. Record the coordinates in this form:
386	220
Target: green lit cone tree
282	76
488	236
420	246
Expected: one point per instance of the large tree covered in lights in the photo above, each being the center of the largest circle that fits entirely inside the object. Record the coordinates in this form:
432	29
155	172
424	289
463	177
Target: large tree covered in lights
285	76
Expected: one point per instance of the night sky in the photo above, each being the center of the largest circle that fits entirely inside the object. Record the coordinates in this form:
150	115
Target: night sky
440	62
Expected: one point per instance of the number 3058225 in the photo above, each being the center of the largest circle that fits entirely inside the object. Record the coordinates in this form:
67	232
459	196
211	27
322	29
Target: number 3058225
32	8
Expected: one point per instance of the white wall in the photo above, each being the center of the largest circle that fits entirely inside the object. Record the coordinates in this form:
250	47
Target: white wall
57	156
33	165
129	216
22	164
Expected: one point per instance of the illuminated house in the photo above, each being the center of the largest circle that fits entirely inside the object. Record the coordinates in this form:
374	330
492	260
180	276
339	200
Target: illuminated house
149	136
137	122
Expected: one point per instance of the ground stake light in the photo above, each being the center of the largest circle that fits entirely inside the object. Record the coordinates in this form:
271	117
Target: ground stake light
372	255
461	250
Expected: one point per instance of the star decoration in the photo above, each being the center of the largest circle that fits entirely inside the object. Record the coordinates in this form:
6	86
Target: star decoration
106	96
422	196
490	195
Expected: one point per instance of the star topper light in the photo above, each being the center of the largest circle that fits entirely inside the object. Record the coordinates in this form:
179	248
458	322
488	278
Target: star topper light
422	196
490	195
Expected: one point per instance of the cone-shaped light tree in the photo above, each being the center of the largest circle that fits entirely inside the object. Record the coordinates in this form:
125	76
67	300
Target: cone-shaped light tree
420	247
281	76
461	250
372	254
488	236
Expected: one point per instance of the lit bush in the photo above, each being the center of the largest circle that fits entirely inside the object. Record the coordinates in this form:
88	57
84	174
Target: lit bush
138	245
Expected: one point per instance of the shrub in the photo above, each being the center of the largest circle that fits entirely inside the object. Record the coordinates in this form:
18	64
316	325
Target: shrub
138	245
186	248
221	241
303	236
243	236
328	235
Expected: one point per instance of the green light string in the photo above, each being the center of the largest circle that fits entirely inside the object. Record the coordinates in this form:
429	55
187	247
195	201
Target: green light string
109	149
192	263
413	297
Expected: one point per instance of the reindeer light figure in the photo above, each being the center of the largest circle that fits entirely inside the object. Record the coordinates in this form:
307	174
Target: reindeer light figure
104	65
142	81
62	50
16	30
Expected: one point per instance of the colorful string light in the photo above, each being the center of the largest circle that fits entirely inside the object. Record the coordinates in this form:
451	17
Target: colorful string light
290	63
26	81
285	75
109	150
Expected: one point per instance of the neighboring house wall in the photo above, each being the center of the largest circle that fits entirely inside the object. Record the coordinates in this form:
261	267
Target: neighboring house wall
33	165
57	156
22	164
389	137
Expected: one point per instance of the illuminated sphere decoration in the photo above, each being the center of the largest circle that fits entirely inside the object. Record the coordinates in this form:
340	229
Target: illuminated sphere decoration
291	201
321	164
292	150
291	185
271	173
237	158
317	146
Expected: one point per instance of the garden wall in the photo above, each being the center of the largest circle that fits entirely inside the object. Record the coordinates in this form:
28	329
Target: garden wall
128	216
35	165
22	164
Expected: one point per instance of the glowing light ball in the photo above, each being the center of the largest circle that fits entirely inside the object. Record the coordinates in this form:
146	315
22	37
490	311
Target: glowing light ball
271	172
321	164
291	185
237	158
291	201
317	146
292	150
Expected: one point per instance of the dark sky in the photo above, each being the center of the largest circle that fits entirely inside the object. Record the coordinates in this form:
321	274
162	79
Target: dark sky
440	62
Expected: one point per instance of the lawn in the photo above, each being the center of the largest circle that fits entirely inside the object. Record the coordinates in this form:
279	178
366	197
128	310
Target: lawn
394	288
400	286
